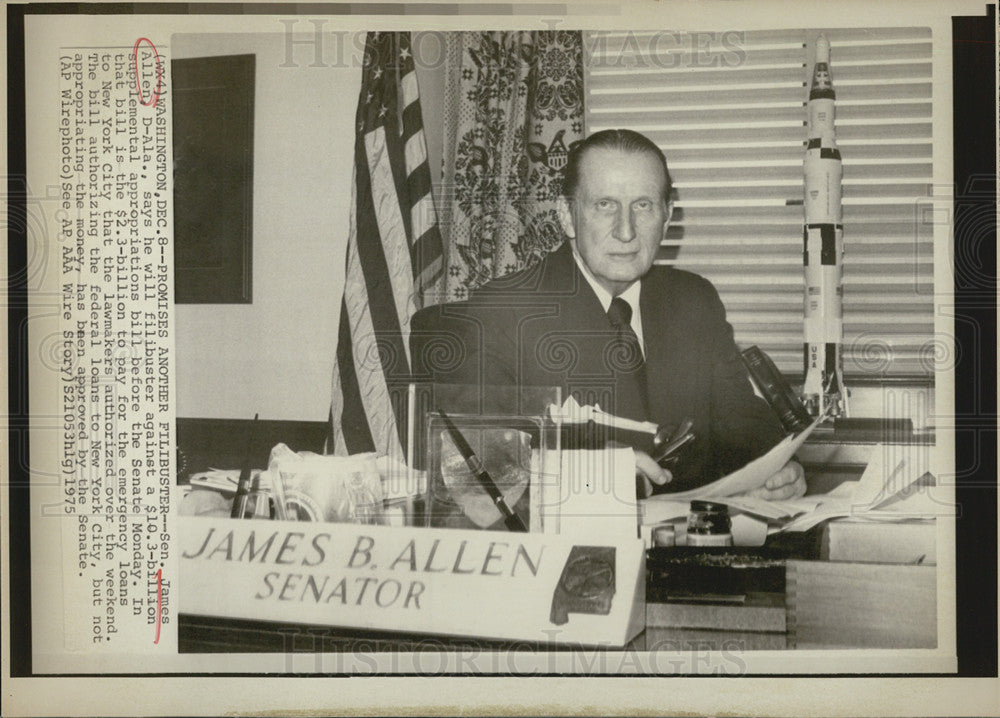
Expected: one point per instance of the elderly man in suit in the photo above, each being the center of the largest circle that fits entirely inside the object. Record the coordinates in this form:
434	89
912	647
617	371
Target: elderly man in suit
598	319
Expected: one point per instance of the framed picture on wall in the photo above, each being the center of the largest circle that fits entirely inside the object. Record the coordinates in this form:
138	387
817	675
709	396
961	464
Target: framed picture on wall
213	103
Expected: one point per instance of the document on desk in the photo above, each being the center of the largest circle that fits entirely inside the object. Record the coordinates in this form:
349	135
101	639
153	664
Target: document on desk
753	475
894	487
748	478
889	489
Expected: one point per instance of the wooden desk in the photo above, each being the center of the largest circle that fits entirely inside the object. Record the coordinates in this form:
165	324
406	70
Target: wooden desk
828	605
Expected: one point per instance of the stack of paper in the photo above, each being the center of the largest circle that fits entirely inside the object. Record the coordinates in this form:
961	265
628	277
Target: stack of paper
896	486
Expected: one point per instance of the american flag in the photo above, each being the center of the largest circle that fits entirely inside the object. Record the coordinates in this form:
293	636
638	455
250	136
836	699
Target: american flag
394	256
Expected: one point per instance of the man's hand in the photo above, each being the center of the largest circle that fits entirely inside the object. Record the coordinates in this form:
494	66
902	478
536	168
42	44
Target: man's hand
647	473
788	483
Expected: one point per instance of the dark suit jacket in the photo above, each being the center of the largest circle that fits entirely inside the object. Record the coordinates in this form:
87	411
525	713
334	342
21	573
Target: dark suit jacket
545	327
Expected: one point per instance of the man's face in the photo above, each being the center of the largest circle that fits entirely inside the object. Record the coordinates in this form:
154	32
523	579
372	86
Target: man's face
618	215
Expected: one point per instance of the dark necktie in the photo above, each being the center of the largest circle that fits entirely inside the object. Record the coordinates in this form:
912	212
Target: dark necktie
627	362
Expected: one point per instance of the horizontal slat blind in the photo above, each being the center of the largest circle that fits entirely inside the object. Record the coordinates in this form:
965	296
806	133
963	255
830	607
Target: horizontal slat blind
731	119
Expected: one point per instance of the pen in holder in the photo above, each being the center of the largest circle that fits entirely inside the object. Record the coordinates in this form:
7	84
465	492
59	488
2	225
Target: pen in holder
486	484
240	500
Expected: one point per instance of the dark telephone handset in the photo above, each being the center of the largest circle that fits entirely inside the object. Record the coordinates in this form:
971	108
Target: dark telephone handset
667	443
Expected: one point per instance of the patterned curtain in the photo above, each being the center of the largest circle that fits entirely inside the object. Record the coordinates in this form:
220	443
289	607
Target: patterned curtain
513	109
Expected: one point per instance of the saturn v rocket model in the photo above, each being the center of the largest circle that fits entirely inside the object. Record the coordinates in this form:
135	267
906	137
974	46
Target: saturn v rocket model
823	390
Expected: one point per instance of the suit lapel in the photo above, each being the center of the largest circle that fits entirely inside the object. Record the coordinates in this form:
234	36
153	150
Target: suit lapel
583	308
657	302
567	313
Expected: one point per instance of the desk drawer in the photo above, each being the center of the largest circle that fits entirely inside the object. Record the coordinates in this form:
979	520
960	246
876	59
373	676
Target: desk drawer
861	605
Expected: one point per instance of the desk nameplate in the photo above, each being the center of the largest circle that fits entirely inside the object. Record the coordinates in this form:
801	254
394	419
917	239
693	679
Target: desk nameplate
487	584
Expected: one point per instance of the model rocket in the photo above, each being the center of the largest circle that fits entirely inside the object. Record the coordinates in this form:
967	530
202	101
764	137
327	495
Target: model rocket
823	389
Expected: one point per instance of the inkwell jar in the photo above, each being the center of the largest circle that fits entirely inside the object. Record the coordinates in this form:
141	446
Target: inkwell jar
709	524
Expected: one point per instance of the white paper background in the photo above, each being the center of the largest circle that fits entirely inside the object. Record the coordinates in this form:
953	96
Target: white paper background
46	33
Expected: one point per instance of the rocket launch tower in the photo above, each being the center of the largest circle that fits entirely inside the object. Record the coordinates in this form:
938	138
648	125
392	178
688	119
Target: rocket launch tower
823	237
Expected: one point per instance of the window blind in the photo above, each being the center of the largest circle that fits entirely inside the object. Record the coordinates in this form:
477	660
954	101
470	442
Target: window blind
729	112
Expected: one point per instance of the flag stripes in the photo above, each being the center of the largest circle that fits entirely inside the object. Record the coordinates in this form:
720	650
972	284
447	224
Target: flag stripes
416	153
426	250
390	227
393	254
